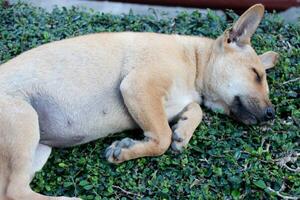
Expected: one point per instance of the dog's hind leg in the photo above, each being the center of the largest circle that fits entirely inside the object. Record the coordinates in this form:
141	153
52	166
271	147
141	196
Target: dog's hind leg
19	133
41	156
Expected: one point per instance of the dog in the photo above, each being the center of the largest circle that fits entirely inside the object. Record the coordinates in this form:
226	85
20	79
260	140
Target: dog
73	91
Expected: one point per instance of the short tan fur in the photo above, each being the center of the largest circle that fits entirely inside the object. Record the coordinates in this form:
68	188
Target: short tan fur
73	91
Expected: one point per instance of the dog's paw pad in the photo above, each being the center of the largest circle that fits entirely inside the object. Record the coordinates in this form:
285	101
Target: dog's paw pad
177	147
112	154
176	136
114	151
178	142
126	143
108	152
117	152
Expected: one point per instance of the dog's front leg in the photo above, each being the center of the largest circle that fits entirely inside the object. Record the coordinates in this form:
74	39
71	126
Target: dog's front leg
143	97
183	130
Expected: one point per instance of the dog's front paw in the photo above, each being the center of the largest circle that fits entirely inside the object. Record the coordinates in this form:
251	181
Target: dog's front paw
179	138
178	142
114	152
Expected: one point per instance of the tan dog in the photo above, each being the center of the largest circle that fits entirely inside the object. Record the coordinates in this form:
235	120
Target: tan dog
77	90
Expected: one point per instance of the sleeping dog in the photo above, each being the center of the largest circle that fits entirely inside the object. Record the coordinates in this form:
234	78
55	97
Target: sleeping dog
73	91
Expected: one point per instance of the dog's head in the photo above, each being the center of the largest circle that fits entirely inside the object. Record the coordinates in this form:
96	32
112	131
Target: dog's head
235	78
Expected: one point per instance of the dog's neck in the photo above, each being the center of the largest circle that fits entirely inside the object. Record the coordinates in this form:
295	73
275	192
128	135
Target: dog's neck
204	61
203	51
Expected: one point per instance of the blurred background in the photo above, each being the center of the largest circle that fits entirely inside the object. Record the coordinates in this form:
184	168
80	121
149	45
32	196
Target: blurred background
289	9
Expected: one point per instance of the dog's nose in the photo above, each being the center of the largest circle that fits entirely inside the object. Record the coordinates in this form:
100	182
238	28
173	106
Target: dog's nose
269	113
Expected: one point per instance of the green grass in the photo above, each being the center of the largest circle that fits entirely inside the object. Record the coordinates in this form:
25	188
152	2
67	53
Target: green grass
224	160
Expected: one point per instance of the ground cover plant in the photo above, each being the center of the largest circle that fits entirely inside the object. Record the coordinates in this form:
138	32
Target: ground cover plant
224	160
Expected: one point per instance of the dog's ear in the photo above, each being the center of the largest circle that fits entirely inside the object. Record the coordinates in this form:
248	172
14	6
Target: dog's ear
246	25
269	59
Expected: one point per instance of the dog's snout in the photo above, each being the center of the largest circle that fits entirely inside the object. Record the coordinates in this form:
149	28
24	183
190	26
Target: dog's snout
269	113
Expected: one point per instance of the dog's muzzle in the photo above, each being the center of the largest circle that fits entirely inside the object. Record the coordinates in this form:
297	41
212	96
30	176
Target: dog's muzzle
269	113
249	112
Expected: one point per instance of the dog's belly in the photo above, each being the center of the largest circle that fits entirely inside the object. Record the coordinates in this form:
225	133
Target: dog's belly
64	124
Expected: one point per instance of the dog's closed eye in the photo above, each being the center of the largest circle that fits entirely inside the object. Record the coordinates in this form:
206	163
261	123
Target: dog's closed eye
258	76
